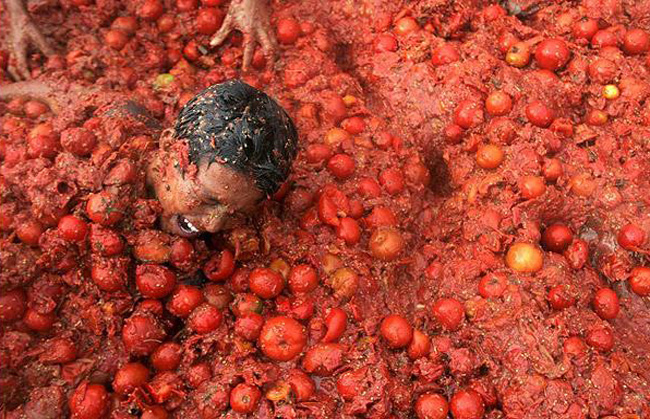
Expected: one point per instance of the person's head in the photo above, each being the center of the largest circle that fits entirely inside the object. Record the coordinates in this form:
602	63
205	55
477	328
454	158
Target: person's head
232	147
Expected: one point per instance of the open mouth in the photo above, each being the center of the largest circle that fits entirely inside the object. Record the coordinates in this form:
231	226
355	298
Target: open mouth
186	226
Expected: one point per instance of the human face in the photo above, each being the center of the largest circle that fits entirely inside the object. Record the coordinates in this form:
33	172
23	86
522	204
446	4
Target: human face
208	199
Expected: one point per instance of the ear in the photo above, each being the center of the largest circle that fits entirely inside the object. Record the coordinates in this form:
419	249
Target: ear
167	138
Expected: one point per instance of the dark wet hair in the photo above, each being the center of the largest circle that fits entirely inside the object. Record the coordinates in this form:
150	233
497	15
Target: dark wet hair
235	124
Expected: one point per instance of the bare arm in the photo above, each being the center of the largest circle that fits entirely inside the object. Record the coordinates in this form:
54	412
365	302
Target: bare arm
56	96
22	33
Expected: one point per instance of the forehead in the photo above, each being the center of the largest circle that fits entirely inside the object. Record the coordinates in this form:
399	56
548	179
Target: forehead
227	185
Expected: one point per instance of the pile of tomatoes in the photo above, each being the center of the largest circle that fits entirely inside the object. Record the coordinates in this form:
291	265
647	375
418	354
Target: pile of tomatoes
465	232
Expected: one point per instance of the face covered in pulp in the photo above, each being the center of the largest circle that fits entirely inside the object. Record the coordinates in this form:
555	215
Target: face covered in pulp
231	146
209	198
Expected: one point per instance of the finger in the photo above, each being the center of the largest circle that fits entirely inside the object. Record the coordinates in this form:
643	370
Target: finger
40	41
249	49
269	45
223	31
22	68
14	73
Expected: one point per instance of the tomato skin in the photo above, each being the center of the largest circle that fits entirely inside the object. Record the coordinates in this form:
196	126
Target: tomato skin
208	20
493	285
245	303
431	406
354	125
445	54
198	374
392	180
397	331
249	326
606	304
341	166
344	282
524	257
78	141
577	253
104	208
603	38
518	55
43	145
406	26
184	300
489	156
89	401
631	237
552	54
552	169
154	281
288	31
282	338
381	216
467	404
639	281
557	238
336	322
181	254
602	71
468	114
29	232
539	114
12	305
73	228
204	319
560	297
187	5
449	312
636	41
265	283
585	28
386	243
244	398
126	24
574	346
498	103
332	204
38	322
116	39
351	383
385	42
302	279
142	334
601	338
501	130
110	275
420	345
166	357
154	412
532	187
129	377
302	386
220	266
324	358
348	230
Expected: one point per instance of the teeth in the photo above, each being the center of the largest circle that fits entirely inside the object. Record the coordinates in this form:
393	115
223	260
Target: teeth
187	225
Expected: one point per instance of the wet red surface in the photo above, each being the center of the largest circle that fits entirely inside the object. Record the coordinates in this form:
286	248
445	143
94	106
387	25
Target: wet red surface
465	229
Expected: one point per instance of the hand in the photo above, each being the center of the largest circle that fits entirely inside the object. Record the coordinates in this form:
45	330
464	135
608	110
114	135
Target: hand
252	18
22	33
